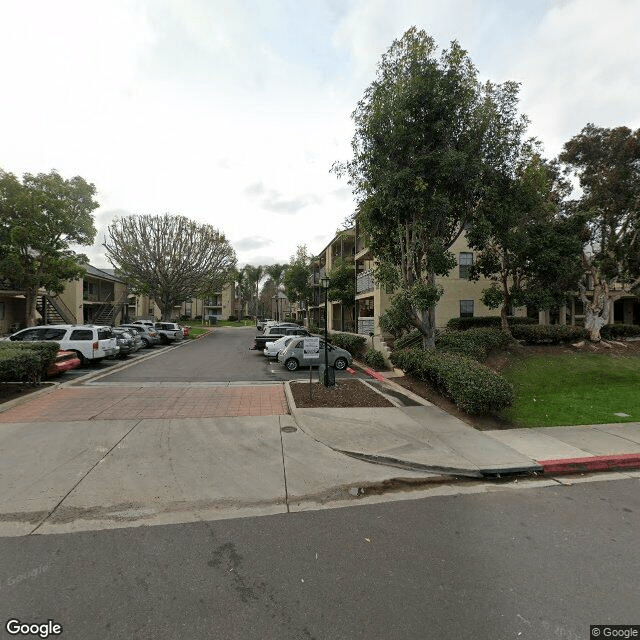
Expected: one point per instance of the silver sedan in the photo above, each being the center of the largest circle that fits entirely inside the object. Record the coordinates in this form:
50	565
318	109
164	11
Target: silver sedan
292	356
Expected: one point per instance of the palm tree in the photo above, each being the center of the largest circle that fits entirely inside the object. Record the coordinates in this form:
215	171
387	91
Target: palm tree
254	276
276	273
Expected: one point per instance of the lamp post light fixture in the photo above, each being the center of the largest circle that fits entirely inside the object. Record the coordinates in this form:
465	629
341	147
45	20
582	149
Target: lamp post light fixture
324	281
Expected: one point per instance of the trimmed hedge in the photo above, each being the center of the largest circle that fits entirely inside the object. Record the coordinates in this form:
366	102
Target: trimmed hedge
475	343
352	342
26	361
548	334
462	324
474	388
613	331
375	359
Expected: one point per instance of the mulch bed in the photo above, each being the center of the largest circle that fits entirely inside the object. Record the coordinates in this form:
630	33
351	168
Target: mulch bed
12	390
346	394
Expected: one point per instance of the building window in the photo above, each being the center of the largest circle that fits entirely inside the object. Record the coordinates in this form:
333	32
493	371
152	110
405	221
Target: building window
465	261
466	308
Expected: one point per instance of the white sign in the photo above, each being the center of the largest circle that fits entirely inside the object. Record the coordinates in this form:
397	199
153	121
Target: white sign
311	349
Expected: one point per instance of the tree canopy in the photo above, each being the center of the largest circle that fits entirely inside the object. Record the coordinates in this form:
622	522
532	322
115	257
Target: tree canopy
607	163
40	218
523	243
296	278
427	132
169	257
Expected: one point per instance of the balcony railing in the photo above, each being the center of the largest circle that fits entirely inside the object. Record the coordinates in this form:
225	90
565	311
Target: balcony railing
365	282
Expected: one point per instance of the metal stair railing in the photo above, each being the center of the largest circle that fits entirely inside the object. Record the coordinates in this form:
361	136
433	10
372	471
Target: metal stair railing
53	306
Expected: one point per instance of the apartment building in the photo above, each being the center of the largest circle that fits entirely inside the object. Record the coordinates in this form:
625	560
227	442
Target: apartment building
218	306
99	297
461	297
340	317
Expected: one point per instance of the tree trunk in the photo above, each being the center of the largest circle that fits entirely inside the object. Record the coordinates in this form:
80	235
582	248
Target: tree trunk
504	324
167	307
593	323
428	329
31	295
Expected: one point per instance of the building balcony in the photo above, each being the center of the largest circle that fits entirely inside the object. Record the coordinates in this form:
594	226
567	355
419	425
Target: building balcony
365	282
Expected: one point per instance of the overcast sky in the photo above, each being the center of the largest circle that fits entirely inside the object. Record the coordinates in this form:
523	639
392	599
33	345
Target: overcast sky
232	112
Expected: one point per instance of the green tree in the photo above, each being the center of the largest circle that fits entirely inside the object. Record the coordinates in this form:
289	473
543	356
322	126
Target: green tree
254	275
169	258
607	163
524	245
426	132
342	286
297	277
276	274
42	216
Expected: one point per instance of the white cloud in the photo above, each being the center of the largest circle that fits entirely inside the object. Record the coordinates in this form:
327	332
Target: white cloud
182	106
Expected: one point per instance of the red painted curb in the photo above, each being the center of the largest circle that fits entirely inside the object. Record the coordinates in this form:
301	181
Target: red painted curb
594	463
373	374
351	371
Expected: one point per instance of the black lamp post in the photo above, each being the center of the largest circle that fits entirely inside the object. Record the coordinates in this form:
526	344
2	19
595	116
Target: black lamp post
325	285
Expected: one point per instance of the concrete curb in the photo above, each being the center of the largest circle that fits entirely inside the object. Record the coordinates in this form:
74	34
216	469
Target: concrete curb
592	463
446	473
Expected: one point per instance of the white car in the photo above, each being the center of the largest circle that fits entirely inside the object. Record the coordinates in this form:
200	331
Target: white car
91	342
272	349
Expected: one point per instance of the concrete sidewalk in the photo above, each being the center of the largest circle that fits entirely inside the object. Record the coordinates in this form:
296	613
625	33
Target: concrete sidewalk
116	462
417	435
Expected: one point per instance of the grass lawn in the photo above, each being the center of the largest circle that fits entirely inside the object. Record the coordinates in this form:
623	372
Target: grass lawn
235	323
196	330
574	389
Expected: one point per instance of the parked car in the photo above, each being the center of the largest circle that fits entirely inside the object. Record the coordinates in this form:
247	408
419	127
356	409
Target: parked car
148	334
272	349
65	361
273	328
260	342
260	324
91	343
169	332
292	356
126	341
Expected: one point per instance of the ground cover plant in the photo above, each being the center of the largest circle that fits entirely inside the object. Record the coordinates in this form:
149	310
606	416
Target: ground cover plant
572	389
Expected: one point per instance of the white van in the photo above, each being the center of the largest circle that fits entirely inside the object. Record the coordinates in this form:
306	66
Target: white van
91	342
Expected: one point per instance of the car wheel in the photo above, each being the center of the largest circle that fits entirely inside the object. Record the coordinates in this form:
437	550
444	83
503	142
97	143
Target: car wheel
83	360
292	364
340	364
145	343
163	340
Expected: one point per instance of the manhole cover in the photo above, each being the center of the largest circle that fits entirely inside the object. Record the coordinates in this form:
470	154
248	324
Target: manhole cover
288	429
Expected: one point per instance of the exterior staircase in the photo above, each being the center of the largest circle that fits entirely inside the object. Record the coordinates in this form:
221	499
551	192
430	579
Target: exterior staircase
108	312
54	311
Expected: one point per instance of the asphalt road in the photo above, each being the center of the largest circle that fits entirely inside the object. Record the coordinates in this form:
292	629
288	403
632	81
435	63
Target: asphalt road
222	356
524	564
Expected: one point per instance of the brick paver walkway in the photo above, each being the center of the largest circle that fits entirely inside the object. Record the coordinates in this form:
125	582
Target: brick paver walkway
126	403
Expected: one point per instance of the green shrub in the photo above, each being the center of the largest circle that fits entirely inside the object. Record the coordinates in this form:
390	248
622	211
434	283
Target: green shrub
20	365
45	351
475	343
613	331
375	359
548	334
411	339
352	342
462	324
474	388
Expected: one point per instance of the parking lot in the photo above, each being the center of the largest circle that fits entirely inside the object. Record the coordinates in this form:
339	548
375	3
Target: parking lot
222	356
